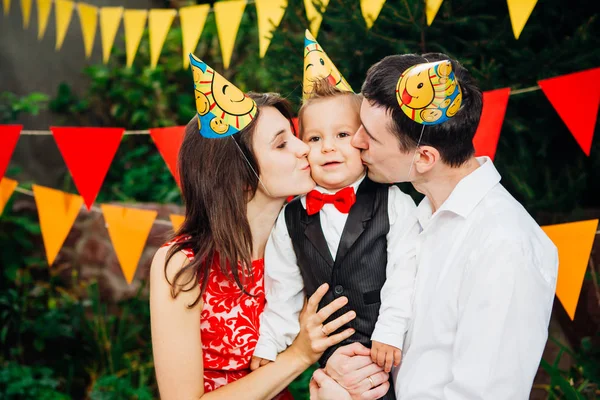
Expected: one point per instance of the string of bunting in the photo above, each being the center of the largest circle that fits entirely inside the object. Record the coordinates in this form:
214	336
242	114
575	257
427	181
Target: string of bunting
228	16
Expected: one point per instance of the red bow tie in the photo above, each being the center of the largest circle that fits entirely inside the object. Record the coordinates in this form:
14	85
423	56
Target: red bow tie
342	200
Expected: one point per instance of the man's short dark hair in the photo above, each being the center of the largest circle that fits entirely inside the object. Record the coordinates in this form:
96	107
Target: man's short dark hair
452	138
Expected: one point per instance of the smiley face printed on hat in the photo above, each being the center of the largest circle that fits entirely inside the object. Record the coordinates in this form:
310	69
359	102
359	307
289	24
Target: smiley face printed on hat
222	108
426	92
317	65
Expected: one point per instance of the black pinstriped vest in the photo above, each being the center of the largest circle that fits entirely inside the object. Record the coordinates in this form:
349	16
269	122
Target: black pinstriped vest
358	271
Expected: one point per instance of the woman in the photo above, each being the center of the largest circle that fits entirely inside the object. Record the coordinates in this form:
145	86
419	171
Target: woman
204	308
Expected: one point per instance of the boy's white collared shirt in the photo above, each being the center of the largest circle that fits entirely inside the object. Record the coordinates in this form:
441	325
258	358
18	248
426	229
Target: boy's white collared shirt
283	281
483	296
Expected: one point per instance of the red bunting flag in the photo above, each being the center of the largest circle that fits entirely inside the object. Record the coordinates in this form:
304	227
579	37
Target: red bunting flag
88	153
490	124
168	141
9	135
575	98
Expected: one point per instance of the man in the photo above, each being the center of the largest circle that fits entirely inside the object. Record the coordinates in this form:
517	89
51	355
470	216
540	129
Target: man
486	271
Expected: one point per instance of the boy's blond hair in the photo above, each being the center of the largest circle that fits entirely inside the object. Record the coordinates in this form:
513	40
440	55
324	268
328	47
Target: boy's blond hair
322	89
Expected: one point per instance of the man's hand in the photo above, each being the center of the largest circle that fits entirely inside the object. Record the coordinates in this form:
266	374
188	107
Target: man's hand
385	355
258	362
352	368
322	387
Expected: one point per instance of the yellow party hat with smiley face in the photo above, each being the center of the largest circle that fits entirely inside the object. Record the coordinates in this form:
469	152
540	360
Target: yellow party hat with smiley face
429	93
317	65
223	109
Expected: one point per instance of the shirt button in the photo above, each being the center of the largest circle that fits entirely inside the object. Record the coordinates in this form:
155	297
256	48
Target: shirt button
338	290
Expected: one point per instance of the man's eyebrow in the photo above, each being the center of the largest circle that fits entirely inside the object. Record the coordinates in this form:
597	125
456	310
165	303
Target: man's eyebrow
369	134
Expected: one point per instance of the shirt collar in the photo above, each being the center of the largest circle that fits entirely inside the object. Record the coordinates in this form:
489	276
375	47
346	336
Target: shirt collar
467	194
318	188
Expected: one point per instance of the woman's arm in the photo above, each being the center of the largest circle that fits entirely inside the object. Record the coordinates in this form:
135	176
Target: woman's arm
178	352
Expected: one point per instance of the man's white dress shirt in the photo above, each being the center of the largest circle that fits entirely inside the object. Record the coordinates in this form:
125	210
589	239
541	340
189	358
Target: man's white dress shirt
284	286
483	296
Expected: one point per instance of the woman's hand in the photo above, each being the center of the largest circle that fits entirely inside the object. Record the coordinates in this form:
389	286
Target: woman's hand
313	338
322	387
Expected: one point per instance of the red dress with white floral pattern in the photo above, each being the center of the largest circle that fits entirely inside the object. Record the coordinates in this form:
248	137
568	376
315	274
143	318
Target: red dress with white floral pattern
229	325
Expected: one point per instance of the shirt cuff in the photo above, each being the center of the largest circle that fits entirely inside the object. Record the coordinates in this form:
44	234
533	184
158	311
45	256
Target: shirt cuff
395	338
265	349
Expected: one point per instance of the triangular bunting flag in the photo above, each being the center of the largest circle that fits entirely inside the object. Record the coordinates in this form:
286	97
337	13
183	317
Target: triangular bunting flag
159	22
574	242
168	141
57	213
7	187
26	11
6	5
110	19
9	136
270	13
575	98
490	123
192	21
315	16
177	221
128	229
519	11
431	9
370	10
63	13
43	12
88	19
134	21
88	153
228	15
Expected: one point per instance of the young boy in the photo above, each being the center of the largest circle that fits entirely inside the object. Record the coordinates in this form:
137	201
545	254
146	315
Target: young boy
350	232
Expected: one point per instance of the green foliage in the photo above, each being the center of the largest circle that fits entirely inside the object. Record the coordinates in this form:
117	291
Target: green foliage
11	105
20	382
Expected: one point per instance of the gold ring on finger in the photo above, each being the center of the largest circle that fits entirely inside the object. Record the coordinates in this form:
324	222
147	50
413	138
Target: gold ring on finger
372	383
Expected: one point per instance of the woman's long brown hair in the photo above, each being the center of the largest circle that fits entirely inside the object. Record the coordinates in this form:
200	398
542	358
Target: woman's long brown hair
217	182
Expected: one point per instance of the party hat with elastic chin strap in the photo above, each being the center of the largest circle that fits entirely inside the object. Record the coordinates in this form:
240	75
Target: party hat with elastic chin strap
317	66
223	109
429	93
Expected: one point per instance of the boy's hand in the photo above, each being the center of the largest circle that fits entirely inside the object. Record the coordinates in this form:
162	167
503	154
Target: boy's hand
385	355
258	362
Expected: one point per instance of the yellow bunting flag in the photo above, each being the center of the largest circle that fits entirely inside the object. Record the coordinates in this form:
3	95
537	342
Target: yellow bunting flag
128	229
431	9
519	11
110	19
43	13
228	15
57	212
270	13
370	10
7	187
192	21
159	22
574	242
176	220
6	5
26	11
315	16
63	12
88	19
135	21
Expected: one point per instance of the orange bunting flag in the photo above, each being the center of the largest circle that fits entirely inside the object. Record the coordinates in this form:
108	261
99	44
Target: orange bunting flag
168	141
57	212
574	242
7	187
576	98
9	136
519	11
490	123
177	221
88	153
128	229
